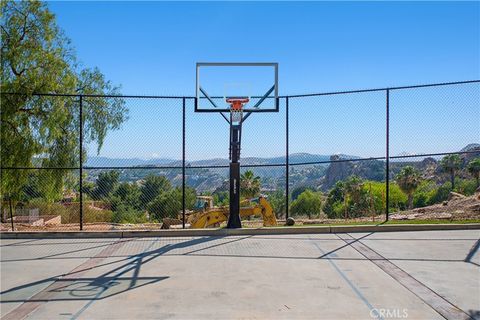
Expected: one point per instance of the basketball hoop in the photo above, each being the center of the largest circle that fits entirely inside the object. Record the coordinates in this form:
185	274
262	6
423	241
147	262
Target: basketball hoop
236	107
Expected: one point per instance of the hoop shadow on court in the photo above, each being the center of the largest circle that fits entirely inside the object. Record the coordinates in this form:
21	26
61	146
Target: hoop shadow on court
115	281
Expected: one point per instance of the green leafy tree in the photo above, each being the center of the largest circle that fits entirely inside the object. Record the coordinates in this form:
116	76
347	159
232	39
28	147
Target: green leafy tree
474	168
249	185
152	188
451	163
466	186
420	196
105	184
308	203
169	203
88	188
440	194
43	130
408	179
129	194
299	190
335	200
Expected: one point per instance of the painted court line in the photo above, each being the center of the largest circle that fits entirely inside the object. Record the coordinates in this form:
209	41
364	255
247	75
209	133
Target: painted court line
46	294
348	281
445	308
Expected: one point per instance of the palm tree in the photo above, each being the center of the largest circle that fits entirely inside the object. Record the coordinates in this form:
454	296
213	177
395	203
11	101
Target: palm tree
450	164
408	179
353	187
474	168
249	184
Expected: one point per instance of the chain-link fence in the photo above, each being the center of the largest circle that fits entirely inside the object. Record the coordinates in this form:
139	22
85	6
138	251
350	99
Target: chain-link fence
92	162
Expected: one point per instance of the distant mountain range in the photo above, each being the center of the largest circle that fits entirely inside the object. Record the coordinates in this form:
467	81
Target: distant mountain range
136	162
320	176
294	158
126	162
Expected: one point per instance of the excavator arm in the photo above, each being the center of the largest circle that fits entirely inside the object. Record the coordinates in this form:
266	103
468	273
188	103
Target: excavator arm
214	216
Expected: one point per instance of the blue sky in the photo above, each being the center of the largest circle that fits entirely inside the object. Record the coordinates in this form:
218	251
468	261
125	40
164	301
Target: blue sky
152	47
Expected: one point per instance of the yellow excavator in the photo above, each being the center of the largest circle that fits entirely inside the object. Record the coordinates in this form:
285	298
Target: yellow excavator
206	215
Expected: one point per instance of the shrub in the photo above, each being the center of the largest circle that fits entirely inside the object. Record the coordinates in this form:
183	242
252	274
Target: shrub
338	210
126	214
169	204
420	199
439	194
93	215
466	187
308	203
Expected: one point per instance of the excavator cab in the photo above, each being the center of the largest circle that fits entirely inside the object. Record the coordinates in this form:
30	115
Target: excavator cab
203	204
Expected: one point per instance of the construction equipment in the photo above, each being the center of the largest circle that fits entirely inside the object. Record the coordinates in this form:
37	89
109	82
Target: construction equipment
205	214
203	203
216	215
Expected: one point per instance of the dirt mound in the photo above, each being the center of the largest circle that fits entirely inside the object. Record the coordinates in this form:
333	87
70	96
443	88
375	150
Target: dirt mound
456	208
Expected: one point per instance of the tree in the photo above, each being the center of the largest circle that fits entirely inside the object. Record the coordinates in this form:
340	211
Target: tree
474	168
355	195
44	130
169	204
105	184
408	179
129	194
152	188
308	203
334	199
451	163
299	190
249	185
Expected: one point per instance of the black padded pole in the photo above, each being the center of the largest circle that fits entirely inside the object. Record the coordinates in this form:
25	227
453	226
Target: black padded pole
235	138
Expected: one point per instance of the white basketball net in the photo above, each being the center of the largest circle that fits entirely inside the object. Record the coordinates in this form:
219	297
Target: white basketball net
237	114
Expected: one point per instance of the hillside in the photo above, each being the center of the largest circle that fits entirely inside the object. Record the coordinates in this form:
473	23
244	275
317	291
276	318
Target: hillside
319	176
458	207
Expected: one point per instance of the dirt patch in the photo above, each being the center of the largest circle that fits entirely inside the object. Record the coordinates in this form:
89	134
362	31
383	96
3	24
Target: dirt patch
458	207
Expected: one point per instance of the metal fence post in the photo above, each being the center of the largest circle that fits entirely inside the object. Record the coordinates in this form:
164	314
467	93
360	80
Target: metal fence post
81	161
183	164
387	156
287	161
11	211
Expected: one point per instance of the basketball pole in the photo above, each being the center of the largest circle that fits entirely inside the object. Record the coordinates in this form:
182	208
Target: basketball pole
235	122
234	220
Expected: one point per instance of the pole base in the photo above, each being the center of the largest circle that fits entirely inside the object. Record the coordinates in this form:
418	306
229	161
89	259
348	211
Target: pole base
234	221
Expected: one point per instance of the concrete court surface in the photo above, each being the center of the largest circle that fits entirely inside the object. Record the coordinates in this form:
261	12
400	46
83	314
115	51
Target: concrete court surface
390	275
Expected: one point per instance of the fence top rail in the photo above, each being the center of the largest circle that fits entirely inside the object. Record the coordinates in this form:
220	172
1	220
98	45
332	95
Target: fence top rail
281	96
384	89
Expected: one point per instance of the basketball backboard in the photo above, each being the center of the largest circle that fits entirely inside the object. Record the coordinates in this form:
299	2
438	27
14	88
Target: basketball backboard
218	81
